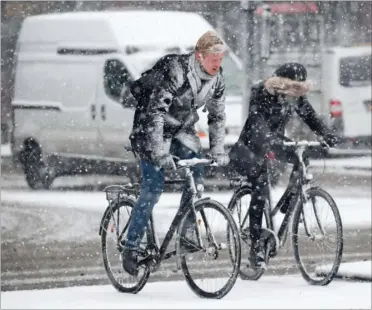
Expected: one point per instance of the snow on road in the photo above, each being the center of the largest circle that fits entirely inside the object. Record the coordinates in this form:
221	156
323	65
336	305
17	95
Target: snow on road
363	162
270	292
359	270
355	208
286	292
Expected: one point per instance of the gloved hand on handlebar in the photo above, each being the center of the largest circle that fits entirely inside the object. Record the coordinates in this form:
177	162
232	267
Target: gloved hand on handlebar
275	148
164	161
219	155
331	139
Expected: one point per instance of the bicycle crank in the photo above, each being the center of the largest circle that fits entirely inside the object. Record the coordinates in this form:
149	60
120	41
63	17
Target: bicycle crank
271	243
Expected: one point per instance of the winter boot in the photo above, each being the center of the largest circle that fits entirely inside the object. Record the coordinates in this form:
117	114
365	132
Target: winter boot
130	261
257	256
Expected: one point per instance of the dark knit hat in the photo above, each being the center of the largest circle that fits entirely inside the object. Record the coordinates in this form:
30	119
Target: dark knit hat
293	71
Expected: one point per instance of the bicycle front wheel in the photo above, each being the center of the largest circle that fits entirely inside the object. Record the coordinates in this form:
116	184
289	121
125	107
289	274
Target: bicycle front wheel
317	237
207	267
113	231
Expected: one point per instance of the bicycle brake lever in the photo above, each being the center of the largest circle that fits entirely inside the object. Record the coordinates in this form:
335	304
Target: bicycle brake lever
208	156
322	142
175	158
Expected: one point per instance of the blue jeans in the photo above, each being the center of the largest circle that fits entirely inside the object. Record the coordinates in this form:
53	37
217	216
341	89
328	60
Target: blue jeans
152	185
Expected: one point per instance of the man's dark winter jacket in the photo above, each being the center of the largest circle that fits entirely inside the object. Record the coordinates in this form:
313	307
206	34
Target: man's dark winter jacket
167	108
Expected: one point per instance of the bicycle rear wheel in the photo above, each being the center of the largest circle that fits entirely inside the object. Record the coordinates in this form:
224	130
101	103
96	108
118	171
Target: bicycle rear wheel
239	207
114	230
312	232
208	269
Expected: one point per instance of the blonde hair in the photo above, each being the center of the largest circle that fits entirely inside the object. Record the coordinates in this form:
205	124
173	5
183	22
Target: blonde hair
210	42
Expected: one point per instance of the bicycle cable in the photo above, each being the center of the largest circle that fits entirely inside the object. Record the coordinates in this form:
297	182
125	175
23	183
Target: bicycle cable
324	166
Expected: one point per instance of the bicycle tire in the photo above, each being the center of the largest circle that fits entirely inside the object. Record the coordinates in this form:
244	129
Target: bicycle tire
127	202
254	275
202	204
310	193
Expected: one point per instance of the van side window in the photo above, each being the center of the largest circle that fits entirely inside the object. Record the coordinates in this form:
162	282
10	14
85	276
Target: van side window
355	71
116	78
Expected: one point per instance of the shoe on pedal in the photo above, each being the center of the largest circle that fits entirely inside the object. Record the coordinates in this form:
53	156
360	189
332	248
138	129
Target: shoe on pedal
130	261
257	256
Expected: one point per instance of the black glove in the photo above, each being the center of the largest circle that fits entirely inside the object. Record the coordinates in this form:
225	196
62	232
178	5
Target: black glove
275	149
331	139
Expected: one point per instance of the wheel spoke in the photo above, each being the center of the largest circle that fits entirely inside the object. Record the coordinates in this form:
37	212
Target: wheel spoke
315	245
210	272
111	251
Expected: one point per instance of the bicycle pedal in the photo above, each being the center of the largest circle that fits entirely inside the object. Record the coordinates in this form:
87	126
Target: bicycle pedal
222	246
270	241
262	266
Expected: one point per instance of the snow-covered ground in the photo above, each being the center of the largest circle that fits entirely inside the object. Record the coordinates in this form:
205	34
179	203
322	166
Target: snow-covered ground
359	270
355	209
363	162
349	152
270	292
286	292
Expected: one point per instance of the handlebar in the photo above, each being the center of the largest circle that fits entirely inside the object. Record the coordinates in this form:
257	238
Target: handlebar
306	143
182	163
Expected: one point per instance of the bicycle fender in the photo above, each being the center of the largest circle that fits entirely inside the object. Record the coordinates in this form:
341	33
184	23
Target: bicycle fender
202	199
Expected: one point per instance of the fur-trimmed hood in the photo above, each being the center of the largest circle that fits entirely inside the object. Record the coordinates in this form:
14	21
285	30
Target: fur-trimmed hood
286	86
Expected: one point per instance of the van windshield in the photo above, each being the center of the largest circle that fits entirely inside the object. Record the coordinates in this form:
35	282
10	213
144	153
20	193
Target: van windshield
355	71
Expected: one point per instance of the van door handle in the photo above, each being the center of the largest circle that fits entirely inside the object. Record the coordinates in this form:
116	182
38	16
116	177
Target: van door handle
93	111
103	112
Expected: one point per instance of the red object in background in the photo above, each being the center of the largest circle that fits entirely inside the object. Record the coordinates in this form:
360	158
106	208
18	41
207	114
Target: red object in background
290	8
270	155
335	108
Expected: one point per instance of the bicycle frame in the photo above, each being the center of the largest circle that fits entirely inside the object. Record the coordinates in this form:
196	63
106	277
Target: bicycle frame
296	188
154	245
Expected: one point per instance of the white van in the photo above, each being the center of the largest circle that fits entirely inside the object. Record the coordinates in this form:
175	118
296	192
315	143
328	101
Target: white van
347	92
71	71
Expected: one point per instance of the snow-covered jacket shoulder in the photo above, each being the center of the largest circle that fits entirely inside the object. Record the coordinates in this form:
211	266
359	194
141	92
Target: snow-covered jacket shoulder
168	74
164	85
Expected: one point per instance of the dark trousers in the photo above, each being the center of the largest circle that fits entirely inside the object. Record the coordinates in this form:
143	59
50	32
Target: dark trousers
260	193
255	168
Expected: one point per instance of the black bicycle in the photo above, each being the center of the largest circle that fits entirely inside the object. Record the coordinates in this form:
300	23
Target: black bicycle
300	203
198	242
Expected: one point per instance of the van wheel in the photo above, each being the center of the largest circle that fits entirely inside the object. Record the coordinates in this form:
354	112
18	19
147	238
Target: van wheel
38	177
37	174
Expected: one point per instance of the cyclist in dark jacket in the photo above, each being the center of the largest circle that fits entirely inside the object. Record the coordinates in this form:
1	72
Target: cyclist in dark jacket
168	96
272	104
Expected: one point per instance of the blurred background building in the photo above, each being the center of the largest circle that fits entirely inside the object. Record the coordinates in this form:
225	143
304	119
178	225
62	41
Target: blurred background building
295	25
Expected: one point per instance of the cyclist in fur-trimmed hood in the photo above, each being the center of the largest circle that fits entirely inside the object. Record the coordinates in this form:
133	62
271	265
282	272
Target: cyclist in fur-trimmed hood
272	104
